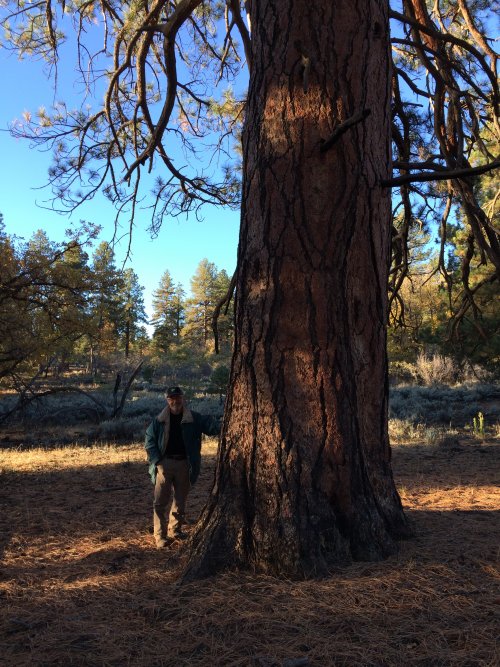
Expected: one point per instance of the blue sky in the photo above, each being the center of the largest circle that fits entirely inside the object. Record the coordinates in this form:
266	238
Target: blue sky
179	247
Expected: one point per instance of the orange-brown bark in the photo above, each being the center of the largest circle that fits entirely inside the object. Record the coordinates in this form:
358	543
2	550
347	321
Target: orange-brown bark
304	478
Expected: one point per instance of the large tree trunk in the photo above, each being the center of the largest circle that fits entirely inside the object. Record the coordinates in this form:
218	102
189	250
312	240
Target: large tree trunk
303	478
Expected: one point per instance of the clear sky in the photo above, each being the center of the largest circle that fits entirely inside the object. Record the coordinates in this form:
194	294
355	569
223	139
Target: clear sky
182	242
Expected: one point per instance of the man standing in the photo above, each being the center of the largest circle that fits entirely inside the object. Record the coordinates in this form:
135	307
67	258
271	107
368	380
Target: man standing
173	446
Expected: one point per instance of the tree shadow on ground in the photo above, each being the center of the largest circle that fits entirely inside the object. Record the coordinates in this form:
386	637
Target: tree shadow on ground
82	583
93	502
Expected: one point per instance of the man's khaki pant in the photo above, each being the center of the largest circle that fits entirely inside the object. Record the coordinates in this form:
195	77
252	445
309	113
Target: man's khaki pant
170	474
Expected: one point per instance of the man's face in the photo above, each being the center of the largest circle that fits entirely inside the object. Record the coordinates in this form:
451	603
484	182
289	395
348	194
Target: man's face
175	403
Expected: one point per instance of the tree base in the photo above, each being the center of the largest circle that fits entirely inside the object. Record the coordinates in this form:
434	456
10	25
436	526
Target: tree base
295	548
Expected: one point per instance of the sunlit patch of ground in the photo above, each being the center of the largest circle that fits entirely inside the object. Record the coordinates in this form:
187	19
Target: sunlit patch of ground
82	584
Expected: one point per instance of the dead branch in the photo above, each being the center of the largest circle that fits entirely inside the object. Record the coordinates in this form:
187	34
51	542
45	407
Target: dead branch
118	411
245	34
342	129
440	175
215	317
23	401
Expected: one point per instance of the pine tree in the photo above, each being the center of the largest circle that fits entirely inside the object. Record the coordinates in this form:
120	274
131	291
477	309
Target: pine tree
72	279
205	290
168	314
225	321
43	298
104	306
132	307
15	331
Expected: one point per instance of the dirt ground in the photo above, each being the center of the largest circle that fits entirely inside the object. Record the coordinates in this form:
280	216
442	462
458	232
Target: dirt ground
82	584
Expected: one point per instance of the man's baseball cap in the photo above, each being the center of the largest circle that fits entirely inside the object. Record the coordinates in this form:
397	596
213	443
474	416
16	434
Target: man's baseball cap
174	391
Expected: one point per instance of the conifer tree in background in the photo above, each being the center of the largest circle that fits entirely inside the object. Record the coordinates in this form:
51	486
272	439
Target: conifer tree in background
104	305
15	333
44	289
446	140
133	313
72	282
168	314
225	320
43	317
51	301
205	291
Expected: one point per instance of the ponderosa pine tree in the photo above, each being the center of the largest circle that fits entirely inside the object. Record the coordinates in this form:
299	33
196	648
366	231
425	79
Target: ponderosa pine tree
15	331
104	304
133	313
168	313
304	477
200	307
225	317
44	302
72	280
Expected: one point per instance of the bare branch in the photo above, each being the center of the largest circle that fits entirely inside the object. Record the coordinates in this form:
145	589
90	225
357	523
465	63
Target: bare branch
245	35
342	129
226	300
440	175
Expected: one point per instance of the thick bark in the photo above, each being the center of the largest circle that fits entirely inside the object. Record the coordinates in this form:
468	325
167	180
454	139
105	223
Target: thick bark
303	478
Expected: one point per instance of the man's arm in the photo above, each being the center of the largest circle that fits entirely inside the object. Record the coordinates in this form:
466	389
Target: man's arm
209	424
151	442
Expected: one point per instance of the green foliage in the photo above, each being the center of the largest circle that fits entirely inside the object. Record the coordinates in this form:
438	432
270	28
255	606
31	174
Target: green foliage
422	316
133	314
444	297
208	287
219	380
43	300
55	309
168	314
60	309
148	373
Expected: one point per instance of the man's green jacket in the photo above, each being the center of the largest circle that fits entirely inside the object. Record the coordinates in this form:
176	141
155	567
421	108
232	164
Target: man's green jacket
193	424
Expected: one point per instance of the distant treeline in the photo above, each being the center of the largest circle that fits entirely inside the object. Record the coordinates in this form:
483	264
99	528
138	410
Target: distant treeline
61	306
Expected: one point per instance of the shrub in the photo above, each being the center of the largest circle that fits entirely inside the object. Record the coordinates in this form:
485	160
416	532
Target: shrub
402	372
436	369
122	429
450	405
146	405
207	406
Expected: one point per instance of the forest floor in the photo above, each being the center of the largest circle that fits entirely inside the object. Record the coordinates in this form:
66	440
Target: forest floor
81	582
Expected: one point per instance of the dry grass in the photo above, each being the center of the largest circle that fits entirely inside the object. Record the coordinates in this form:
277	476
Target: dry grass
82	584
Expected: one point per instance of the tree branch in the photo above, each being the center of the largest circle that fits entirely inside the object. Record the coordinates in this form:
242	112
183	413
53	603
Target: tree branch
243	30
342	129
447	37
440	175
225	300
